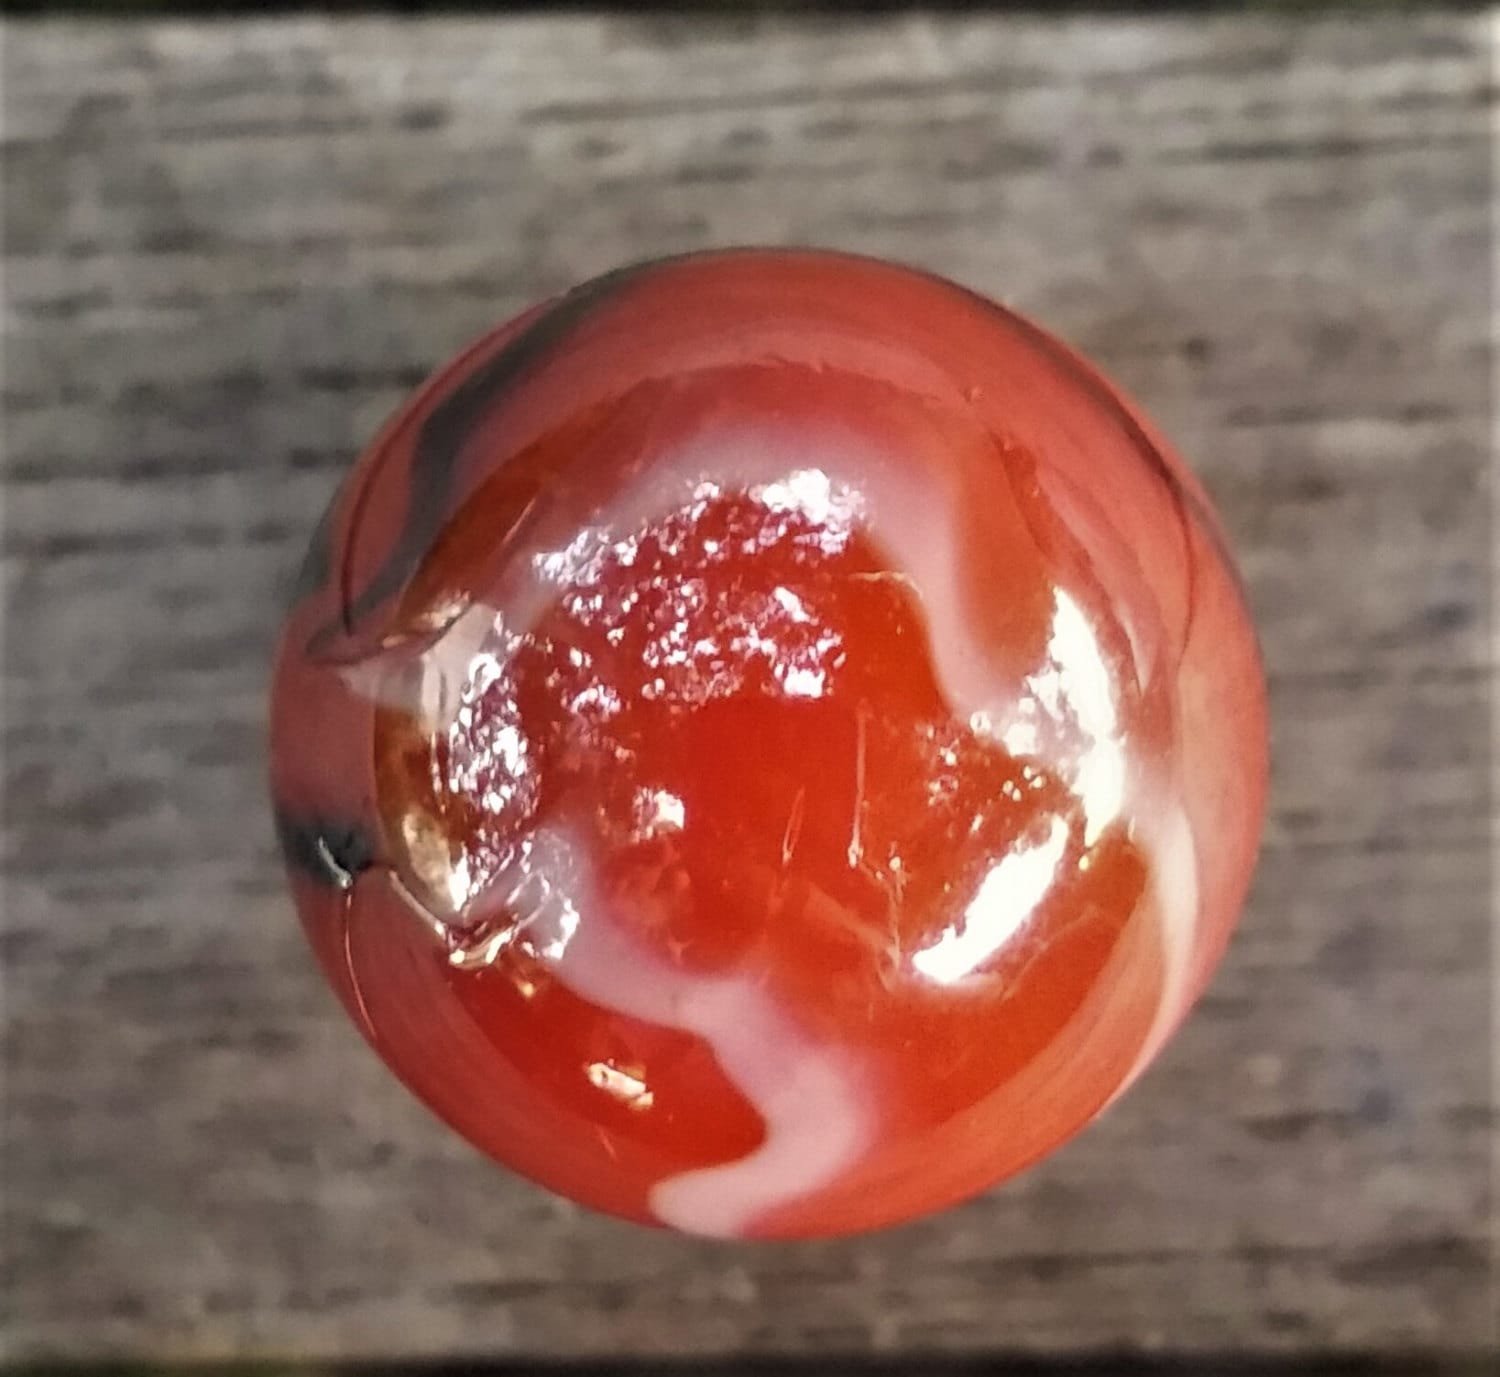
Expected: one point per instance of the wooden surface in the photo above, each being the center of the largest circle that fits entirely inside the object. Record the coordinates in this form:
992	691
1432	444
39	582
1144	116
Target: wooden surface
231	248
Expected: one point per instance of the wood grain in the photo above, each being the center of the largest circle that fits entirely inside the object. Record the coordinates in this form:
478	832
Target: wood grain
229	249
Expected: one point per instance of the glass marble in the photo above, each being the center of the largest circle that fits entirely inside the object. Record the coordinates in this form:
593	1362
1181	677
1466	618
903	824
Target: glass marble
768	743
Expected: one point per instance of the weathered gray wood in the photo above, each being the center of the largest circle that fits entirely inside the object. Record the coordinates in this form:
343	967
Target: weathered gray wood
231	248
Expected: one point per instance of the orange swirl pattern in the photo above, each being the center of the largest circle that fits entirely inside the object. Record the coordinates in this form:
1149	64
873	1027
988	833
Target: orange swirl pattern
769	744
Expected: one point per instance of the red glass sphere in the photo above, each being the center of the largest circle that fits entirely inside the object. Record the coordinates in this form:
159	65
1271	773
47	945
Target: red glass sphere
769	743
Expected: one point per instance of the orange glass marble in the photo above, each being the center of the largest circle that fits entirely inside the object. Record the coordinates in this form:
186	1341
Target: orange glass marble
770	743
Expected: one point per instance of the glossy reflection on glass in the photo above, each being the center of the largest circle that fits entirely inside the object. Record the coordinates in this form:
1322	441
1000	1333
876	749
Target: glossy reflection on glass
769	743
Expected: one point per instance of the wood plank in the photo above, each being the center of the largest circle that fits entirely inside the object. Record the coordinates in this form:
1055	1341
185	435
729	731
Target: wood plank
231	248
